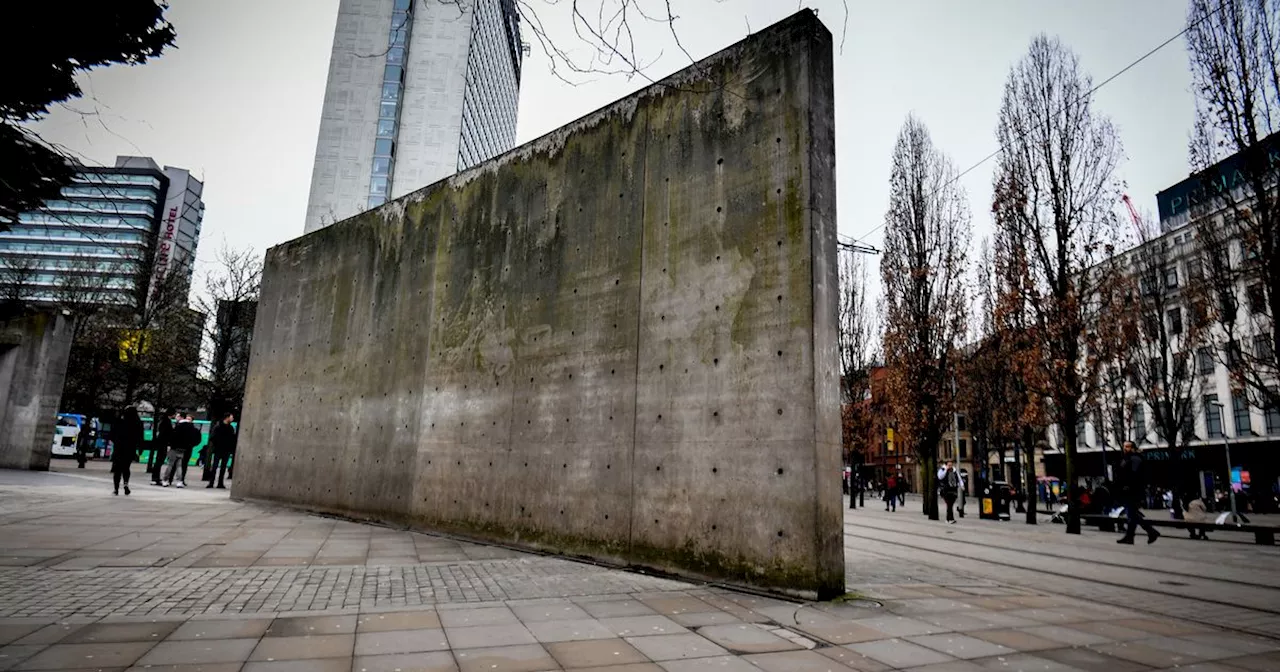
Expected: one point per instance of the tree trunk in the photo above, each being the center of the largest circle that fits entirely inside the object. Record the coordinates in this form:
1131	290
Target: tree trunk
1029	480
1069	457
929	485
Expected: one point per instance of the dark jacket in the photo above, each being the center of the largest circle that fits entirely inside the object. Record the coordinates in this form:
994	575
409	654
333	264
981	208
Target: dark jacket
186	436
1129	476
163	434
223	439
126	439
950	483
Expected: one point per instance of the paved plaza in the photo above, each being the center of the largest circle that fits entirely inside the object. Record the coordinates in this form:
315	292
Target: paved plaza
189	580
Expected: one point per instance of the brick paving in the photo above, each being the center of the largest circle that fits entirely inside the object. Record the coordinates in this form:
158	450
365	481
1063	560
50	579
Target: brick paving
188	580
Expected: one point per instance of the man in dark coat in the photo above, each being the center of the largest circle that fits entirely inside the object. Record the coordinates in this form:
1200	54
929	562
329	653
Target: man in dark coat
186	436
1132	484
126	439
160	445
223	441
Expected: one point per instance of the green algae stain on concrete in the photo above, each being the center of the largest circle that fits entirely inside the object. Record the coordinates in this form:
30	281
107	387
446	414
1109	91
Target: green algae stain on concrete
596	344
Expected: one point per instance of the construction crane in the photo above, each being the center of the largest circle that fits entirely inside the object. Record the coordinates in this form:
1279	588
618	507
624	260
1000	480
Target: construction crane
1133	214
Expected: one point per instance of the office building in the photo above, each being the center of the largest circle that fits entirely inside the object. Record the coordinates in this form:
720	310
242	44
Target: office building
1221	410
416	92
114	234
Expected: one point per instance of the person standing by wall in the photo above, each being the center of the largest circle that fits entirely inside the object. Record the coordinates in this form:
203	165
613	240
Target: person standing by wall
126	436
223	441
1130	479
160	445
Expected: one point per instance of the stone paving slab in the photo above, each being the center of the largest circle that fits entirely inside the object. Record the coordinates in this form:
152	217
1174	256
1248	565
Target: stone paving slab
477	609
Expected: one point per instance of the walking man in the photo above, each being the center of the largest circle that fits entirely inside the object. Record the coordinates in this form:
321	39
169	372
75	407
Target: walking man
223	441
1130	480
949	482
185	437
891	494
160	445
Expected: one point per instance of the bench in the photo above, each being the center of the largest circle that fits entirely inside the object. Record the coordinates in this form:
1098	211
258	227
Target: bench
1265	536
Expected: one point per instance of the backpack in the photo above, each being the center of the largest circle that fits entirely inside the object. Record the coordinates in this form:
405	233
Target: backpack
951	481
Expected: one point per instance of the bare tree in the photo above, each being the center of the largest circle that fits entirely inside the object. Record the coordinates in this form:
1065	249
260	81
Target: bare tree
927	235
1164	325
229	302
1234	48
1056	193
17	277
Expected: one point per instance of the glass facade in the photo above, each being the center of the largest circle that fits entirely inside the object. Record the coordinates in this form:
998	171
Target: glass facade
384	147
100	239
492	83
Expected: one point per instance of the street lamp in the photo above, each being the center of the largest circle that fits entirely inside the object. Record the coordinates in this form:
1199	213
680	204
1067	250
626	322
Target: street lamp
1231	493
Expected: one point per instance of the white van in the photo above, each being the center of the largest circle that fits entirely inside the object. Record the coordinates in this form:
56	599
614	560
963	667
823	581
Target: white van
66	434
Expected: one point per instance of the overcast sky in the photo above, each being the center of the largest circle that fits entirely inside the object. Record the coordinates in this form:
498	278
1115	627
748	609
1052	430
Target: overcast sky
238	102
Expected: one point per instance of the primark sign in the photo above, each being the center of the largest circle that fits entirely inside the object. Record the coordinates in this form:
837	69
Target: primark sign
1203	189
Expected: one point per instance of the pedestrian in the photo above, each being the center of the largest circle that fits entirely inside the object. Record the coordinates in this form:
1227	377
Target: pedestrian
126	436
1130	480
160	445
223	441
1197	512
891	494
949	483
185	437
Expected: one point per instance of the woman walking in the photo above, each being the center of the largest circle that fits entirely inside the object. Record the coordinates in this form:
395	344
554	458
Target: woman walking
127	438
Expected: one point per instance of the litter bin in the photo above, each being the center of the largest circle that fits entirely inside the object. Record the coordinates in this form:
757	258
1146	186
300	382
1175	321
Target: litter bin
995	503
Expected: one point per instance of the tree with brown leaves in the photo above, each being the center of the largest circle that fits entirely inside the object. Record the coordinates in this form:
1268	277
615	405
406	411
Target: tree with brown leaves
1055	207
927	235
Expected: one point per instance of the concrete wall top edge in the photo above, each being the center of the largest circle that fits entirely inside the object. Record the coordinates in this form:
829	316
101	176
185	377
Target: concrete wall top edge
805	20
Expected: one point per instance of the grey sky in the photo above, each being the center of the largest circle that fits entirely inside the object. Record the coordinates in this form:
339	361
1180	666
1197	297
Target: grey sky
239	101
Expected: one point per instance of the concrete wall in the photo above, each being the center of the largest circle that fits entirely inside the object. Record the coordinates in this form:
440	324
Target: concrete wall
616	341
33	366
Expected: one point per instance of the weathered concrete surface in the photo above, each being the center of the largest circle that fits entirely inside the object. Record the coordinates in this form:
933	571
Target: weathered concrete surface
616	341
34	348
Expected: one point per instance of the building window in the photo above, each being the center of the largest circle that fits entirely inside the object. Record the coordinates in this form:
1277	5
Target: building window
1080	433
378	186
381	166
964	449
1195	268
961	423
1227	306
387	127
1240	413
1273	416
1171	277
1204	361
383	147
1188	418
1175	321
1262	348
1257	298
1199	313
1212	417
1139	423
1234	355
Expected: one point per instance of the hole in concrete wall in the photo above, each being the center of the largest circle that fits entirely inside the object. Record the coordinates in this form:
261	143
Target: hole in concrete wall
612	371
607	466
719	208
566	466
616	281
779	353
716	361
662	317
526	464
661	366
720	161
606	516
611	417
715	414
779	533
566	419
717	309
664	270
779	298
659	417
779	411
659	468
715	470
562	512
619	195
779	140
